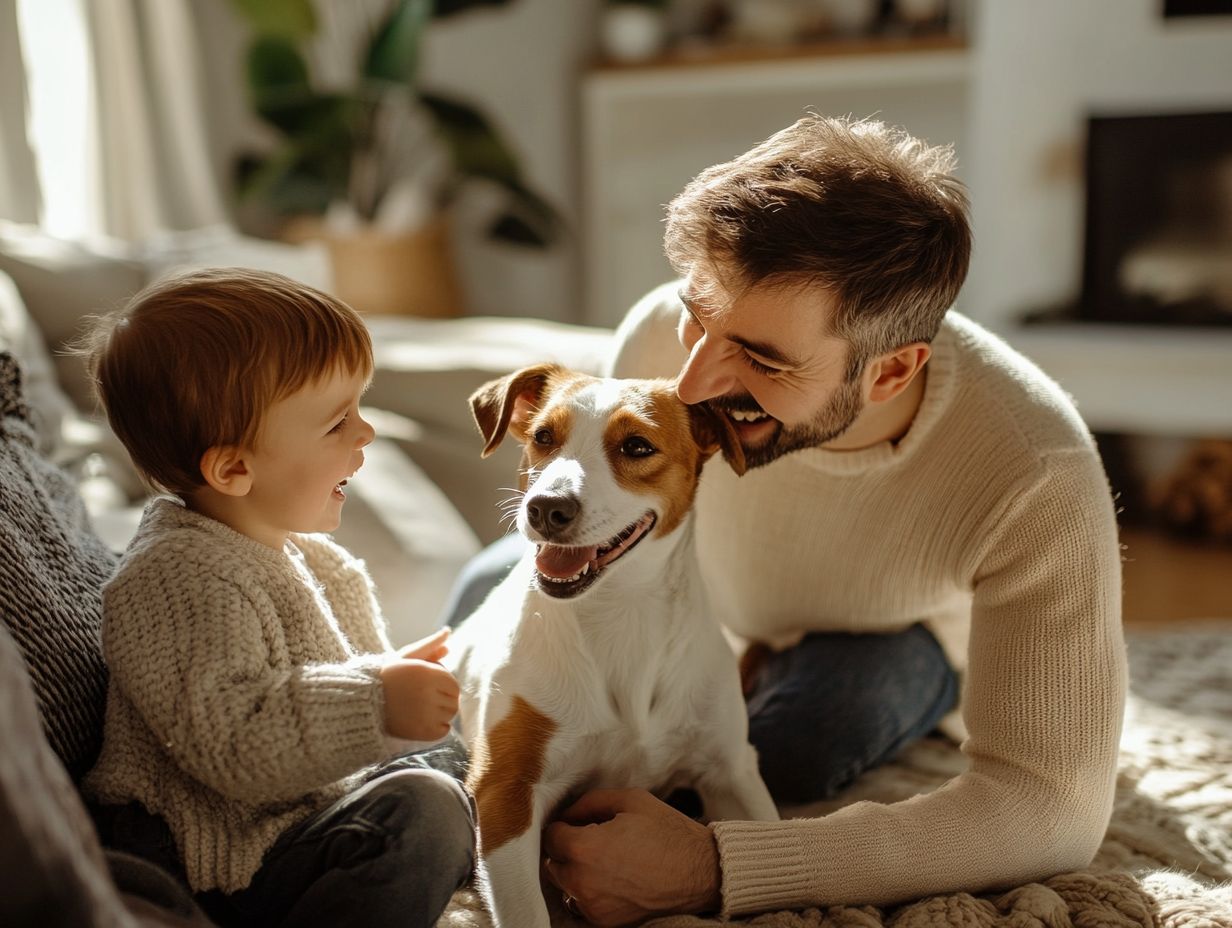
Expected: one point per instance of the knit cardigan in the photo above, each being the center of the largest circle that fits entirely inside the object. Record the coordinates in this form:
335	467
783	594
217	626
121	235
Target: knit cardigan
991	521
244	690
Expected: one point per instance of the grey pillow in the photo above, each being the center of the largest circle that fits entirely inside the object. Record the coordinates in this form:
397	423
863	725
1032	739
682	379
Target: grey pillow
52	570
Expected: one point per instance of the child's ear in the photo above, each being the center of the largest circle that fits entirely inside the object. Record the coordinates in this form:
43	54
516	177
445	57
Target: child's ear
225	469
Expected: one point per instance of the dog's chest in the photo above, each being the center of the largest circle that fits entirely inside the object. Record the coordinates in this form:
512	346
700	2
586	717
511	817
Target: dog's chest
647	736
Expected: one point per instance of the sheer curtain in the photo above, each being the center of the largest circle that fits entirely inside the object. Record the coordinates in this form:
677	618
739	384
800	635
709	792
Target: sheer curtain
109	110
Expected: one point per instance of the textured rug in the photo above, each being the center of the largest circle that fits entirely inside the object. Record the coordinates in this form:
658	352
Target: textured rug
1166	861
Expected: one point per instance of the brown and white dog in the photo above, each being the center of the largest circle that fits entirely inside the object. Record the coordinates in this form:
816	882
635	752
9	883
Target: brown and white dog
597	662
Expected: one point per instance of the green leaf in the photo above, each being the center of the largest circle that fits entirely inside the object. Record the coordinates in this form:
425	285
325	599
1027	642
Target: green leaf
278	81
476	147
290	19
394	53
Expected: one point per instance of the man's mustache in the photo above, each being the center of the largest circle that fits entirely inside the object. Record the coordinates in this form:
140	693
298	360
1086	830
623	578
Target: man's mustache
739	403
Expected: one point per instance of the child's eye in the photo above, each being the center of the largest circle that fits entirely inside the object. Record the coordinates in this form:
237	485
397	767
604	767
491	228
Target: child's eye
339	427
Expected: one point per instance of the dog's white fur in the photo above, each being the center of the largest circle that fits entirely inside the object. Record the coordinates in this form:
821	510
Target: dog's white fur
630	683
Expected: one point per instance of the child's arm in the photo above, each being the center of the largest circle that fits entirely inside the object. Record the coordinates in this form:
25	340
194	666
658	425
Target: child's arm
201	673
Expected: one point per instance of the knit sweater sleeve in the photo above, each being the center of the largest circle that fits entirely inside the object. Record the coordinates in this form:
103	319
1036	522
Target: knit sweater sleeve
198	666
1043	701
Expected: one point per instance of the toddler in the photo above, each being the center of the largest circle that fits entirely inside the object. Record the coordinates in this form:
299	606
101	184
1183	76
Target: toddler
253	690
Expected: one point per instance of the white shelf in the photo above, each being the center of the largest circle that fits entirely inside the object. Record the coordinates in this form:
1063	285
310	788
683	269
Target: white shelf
1138	379
819	73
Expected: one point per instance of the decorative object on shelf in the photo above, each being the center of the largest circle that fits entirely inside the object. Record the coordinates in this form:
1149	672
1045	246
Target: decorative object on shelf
633	30
1196	497
922	15
380	159
770	22
850	18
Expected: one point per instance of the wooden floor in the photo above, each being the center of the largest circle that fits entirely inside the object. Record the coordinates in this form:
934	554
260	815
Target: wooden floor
1171	580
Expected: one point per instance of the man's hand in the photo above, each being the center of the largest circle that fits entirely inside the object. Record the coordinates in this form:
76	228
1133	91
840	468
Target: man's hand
624	856
432	648
421	699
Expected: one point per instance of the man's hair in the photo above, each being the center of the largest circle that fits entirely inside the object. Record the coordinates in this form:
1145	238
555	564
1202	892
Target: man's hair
195	361
867	212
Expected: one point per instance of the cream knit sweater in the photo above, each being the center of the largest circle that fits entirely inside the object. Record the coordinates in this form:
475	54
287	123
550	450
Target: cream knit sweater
244	689
991	521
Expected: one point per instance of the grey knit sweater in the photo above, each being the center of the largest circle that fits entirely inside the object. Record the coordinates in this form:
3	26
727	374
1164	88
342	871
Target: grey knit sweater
52	569
244	686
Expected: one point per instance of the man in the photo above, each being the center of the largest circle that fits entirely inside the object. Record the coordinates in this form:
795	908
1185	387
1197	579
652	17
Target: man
924	512
923	506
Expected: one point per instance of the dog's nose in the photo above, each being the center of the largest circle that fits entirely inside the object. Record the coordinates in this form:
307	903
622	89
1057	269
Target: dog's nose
548	513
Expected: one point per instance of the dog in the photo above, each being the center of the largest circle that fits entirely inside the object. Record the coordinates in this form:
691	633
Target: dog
597	663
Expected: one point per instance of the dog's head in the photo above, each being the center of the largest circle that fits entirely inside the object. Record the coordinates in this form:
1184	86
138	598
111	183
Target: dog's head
606	464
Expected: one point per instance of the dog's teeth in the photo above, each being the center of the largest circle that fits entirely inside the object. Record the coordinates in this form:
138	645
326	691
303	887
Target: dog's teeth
585	569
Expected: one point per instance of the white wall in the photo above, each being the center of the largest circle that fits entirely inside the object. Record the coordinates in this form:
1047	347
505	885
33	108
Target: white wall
1040	69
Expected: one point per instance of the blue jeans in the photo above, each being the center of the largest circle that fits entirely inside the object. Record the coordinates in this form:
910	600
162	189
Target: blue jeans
391	852
820	713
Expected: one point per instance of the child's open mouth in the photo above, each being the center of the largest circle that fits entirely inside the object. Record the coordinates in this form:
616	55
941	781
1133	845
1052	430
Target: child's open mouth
338	494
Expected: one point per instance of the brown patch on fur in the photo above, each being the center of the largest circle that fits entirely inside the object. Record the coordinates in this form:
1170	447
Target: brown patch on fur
507	762
672	473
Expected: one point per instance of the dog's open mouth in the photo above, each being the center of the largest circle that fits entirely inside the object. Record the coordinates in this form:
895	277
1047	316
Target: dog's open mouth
564	572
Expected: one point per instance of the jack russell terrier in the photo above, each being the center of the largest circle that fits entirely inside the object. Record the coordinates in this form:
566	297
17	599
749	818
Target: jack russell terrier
597	662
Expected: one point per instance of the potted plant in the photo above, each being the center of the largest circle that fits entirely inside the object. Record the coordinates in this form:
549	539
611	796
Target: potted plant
372	167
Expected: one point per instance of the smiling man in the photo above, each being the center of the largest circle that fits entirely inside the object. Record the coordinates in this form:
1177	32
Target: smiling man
925	538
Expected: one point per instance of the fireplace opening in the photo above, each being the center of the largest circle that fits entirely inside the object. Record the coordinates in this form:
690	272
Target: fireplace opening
1158	245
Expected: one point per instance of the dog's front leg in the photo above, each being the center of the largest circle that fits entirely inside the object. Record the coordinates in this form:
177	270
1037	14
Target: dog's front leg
510	880
732	788
507	771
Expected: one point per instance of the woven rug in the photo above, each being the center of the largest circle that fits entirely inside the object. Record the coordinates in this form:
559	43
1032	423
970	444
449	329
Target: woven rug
1166	861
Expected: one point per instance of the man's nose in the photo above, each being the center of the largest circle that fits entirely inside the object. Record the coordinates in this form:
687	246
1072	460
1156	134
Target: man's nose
704	375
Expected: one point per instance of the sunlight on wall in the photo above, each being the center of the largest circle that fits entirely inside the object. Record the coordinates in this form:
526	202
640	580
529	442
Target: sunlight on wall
61	126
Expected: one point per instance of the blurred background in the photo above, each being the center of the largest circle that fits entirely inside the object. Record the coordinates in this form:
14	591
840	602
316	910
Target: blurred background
474	159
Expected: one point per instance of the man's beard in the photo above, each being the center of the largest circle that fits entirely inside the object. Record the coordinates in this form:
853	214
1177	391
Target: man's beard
832	421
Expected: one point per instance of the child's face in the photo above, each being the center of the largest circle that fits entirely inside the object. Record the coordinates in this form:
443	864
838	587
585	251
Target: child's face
310	443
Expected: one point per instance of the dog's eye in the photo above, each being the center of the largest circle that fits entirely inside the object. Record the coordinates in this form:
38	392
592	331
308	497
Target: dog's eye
543	437
636	447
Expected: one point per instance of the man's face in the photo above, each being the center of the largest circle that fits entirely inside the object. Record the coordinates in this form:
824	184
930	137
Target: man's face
764	358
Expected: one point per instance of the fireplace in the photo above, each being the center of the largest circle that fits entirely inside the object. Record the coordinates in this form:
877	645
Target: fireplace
1158	246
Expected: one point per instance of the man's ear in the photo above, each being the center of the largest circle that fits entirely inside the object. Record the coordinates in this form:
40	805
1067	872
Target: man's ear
713	432
225	469
507	404
890	374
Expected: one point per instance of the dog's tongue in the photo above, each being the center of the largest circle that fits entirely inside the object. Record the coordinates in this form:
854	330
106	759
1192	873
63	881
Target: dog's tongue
559	562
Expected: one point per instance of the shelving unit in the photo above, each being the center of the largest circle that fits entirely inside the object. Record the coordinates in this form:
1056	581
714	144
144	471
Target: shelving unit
647	129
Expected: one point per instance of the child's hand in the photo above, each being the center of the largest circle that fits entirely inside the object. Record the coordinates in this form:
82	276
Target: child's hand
432	648
421	699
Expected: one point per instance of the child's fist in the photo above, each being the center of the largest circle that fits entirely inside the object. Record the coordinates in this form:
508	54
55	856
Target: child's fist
421	699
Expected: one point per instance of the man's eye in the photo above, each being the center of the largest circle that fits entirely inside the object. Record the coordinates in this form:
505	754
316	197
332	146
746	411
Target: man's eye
340	426
543	437
636	447
759	367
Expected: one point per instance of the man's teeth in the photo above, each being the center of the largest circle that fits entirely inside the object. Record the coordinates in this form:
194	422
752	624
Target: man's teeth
741	415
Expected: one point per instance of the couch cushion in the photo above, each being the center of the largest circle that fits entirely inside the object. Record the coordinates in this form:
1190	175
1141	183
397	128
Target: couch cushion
21	337
52	568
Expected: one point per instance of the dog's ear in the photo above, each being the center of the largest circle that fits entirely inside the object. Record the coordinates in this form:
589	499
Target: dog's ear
713	432
508	403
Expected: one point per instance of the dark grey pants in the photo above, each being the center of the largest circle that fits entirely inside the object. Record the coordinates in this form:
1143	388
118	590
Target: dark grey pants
391	852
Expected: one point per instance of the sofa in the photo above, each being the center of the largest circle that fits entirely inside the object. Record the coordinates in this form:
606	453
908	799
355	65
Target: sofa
423	503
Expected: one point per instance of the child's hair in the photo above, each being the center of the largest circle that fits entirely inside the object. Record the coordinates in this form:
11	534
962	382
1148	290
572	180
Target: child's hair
194	361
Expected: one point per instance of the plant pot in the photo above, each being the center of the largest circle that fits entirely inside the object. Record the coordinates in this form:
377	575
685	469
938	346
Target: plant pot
409	273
